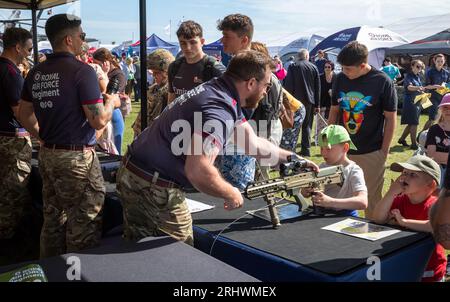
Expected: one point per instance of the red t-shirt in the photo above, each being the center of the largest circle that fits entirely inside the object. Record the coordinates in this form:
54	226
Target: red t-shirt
437	265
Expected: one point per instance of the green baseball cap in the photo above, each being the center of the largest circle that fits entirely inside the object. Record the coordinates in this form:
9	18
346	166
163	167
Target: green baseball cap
420	163
333	135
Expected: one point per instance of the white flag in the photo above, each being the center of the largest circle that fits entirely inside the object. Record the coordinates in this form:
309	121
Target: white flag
167	30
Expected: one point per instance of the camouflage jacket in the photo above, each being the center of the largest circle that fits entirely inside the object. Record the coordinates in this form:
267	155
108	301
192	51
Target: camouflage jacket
156	102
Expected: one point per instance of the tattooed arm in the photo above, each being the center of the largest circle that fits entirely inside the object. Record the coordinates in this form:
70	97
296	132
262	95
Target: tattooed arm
25	114
202	174
440	219
100	114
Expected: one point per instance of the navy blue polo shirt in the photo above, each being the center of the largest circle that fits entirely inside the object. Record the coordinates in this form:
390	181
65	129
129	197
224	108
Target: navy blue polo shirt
212	110
435	77
11	83
58	88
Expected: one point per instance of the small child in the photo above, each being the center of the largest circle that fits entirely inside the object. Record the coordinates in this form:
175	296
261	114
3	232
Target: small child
438	138
408	202
335	142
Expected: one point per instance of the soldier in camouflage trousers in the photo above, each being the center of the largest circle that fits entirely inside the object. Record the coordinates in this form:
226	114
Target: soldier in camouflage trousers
65	121
167	212
152	210
158	62
73	199
15	200
15	145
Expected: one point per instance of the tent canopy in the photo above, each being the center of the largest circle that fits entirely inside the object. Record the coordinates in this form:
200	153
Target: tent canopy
376	39
33	5
216	49
416	28
308	42
28	4
154	42
214	46
438	43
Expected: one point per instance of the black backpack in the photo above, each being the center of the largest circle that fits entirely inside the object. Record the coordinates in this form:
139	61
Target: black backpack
209	64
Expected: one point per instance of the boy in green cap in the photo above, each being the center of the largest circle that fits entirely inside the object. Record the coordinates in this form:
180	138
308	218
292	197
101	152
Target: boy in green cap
407	204
334	142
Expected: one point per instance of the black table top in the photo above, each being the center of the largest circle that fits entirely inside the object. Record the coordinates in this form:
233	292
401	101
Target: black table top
160	259
300	240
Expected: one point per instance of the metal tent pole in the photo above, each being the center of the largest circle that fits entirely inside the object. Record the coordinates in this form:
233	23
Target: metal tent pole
143	61
34	29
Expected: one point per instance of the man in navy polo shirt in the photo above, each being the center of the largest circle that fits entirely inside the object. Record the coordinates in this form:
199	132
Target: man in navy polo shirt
63	106
178	151
15	143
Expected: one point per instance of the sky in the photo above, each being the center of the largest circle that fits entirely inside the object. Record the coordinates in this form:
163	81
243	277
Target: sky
276	22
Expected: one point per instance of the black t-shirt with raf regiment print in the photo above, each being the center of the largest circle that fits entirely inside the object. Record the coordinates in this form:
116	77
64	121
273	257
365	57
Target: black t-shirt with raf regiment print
362	102
184	77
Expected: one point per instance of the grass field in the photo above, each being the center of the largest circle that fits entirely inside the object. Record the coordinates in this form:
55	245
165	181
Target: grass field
397	153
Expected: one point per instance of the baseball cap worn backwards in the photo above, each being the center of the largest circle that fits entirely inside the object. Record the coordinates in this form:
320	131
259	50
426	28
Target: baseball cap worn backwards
333	135
420	163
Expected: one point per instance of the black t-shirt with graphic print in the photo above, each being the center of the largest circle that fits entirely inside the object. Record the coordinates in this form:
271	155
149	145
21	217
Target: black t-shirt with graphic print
362	102
438	137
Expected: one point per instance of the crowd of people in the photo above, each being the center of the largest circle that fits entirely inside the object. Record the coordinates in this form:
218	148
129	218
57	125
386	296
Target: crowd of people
213	129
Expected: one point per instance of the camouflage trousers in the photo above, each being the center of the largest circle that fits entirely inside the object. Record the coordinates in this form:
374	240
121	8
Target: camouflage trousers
151	210
15	169
73	193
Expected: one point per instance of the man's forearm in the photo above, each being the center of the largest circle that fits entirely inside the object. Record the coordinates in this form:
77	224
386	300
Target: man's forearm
211	183
440	219
32	126
333	117
269	154
28	120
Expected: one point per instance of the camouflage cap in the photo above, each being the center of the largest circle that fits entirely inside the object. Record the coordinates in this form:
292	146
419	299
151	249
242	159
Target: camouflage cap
420	163
160	59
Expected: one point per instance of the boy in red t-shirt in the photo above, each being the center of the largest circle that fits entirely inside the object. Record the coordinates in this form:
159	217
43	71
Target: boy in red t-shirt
408	202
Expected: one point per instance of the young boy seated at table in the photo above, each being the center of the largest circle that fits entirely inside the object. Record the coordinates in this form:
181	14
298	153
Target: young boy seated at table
408	202
335	142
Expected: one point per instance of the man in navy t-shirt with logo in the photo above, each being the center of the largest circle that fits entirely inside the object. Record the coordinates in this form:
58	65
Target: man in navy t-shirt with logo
63	106
178	151
364	101
15	143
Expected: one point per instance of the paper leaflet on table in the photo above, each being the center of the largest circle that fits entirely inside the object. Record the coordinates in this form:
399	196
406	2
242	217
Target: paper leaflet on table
196	206
424	100
361	229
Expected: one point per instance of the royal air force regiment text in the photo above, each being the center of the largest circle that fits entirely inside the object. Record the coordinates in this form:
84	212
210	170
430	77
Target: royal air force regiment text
227	291
46	86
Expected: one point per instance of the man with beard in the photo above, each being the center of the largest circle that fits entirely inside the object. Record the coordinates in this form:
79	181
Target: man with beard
184	142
